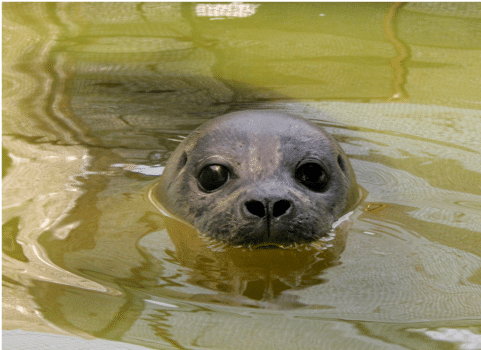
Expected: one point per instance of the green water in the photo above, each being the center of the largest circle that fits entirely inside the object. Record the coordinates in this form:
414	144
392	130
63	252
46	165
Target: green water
97	95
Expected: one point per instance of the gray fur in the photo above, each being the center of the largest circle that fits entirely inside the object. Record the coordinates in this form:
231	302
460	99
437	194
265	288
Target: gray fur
262	149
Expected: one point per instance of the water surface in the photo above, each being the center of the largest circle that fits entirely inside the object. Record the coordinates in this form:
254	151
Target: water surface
97	95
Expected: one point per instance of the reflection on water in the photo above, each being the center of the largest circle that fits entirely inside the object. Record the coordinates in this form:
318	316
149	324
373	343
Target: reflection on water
97	95
258	274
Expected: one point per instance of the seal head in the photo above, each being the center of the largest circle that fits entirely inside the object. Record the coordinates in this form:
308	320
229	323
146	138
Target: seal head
259	178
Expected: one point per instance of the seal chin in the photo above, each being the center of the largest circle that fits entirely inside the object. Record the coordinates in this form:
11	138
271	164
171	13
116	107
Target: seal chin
279	235
271	243
267	246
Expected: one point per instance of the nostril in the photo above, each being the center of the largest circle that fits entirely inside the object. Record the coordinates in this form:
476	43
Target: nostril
280	208
256	208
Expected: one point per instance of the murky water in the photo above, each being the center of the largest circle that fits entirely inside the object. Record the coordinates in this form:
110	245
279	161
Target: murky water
97	95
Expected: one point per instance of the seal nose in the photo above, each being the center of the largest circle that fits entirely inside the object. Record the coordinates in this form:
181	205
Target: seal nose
273	208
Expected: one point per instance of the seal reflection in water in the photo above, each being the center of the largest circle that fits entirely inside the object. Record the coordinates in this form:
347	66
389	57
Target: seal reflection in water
259	178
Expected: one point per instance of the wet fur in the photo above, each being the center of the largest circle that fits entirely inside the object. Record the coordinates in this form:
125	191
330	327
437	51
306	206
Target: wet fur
262	148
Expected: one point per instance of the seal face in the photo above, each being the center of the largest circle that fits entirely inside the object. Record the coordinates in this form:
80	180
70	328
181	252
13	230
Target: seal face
259	178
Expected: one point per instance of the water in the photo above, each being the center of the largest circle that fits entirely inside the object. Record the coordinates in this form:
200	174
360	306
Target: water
95	98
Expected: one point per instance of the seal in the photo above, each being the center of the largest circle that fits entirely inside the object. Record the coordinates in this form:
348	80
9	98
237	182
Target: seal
259	178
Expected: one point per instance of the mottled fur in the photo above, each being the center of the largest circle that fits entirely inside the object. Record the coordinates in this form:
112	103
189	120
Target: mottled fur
262	150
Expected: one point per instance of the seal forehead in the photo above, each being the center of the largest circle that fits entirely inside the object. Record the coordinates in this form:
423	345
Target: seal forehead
264	156
259	125
264	122
260	142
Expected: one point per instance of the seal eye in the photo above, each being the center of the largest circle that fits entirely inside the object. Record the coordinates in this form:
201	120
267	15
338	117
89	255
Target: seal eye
313	176
213	176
